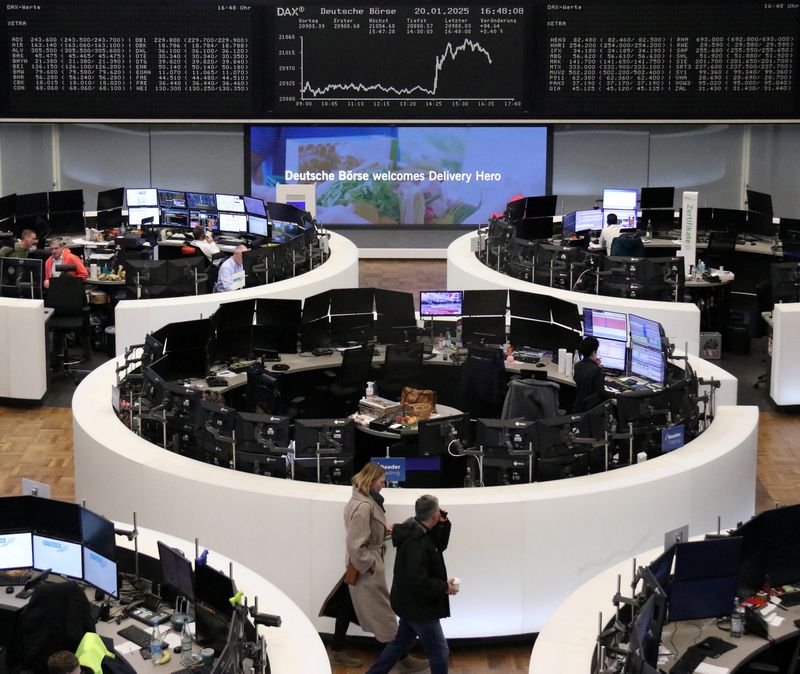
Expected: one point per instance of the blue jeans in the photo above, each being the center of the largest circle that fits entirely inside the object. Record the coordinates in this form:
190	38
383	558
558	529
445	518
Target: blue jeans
433	642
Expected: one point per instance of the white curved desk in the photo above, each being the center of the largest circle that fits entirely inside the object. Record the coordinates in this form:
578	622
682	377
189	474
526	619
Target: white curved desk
465	271
293	647
23	349
519	550
136	318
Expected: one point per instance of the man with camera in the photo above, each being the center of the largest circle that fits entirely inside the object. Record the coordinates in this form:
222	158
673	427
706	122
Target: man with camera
421	589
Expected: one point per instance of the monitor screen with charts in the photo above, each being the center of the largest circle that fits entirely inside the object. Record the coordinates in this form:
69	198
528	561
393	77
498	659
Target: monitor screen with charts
605	324
230	202
612	354
647	363
645	331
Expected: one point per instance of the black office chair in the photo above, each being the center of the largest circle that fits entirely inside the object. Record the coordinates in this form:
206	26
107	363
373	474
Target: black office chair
402	367
264	394
531	399
67	297
348	386
483	381
720	250
628	244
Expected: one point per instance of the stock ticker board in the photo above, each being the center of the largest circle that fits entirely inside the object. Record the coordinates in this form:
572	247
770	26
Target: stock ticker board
594	60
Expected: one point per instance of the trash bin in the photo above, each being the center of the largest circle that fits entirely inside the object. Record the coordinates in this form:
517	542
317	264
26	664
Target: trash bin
737	338
110	340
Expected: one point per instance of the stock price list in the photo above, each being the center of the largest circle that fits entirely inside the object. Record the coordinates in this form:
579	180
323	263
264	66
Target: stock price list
670	60
127	59
405	61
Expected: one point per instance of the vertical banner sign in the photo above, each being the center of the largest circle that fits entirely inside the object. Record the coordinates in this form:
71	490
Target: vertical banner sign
689	231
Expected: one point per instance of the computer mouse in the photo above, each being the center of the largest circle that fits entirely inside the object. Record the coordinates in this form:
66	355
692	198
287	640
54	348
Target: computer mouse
9	589
280	367
540	365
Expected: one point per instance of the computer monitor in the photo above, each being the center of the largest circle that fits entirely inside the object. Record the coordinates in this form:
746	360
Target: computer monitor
177	571
172	199
65	201
232	223
97	533
626	218
769	552
8	206
505	436
761	202
315	335
208	220
277	324
61	557
645	331
657	197
137	214
100	571
665	278
645	636
589	221
67	223
146	273
436	436
661	567
785	280
60	519
542	336
186	335
396	320
16	550
529	305
146	196
605	324
233	329
647	363
558	454
534	207
255	206
352	329
564	313
484	303
232	203
180	365
108	199
533	229
214	589
333	436
262	433
174	217
201	201
31	204
437	303
258	226
613	354
257	463
617	198
706	573
483	330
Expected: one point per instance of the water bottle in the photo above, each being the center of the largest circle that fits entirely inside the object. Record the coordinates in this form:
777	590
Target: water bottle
186	640
155	644
737	620
447	340
370	389
468	482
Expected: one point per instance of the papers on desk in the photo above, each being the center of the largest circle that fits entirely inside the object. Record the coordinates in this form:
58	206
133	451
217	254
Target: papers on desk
708	668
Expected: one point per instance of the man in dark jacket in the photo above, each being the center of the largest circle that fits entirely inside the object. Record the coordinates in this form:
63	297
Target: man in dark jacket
590	380
421	588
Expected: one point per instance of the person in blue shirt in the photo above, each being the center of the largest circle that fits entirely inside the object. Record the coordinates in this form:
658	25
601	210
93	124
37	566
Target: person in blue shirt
231	272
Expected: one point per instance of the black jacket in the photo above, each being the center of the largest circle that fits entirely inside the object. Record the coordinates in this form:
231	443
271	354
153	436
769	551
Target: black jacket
590	384
419	588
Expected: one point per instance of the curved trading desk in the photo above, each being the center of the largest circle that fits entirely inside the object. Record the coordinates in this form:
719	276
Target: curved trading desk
136	318
293	647
519	550
465	271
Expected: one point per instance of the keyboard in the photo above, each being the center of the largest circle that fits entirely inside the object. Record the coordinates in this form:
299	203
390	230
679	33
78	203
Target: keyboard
200	668
615	386
135	634
11	579
688	662
790	598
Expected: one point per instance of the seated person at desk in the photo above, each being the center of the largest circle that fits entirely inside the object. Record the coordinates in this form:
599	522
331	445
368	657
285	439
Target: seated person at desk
610	232
27	241
60	256
589	377
205	242
231	272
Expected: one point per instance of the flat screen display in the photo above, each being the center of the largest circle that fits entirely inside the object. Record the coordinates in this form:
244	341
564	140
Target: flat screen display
138	213
206	220
255	206
587	221
613	354
230	202
657	197
440	302
401	175
647	363
177	571
100	572
200	201
171	199
645	331
32	204
256	225
625	217
16	551
232	222
614	198
97	533
147	196
66	201
605	324
60	556
108	199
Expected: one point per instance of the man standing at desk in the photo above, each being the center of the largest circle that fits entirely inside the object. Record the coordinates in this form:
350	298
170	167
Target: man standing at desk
231	272
420	590
62	256
27	241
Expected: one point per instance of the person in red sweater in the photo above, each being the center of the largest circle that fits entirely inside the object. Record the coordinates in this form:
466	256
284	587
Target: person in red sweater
61	255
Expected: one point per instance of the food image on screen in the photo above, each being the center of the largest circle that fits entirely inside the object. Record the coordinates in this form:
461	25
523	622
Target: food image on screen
372	175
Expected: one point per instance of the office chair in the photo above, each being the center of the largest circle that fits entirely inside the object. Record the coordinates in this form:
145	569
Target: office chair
264	394
531	399
720	250
402	367
348	386
483	381
67	298
628	245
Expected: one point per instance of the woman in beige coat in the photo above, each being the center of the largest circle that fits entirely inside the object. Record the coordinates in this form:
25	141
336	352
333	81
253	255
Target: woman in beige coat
367	602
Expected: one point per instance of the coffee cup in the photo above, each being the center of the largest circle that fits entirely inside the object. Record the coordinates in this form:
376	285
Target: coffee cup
457	583
208	655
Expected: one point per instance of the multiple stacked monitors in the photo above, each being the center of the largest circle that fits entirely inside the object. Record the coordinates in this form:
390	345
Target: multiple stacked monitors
46	534
622	199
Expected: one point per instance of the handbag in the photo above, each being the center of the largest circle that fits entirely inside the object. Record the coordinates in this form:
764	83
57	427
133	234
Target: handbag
350	574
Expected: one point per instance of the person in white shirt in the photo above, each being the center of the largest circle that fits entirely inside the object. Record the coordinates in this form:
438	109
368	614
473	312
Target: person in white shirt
231	272
205	242
610	232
